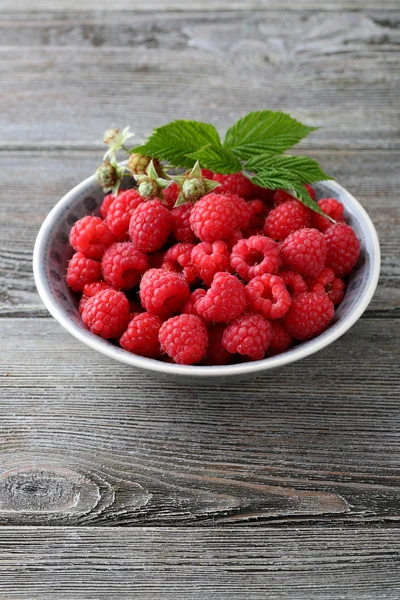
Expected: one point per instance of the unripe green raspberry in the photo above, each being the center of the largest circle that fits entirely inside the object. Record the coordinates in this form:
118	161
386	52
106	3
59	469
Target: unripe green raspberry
138	163
194	188
107	175
148	188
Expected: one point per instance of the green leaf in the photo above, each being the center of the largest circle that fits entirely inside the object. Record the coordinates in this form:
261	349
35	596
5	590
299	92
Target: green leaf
264	131
177	140
304	169
217	158
276	179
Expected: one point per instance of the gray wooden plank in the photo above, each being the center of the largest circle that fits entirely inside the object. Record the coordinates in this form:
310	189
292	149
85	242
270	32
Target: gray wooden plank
88	441
373	177
202	564
192	6
84	73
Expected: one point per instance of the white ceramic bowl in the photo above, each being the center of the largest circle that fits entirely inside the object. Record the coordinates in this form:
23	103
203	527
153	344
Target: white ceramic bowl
52	252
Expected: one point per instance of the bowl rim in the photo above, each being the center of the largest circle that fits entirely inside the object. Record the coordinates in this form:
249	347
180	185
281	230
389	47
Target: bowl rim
148	364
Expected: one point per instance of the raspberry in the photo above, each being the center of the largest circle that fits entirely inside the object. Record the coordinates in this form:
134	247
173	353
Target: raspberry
268	296
249	335
141	337
224	301
120	212
171	194
138	163
304	251
82	270
213	218
207	174
105	205
181	223
281	196
286	218
343	249
255	256
189	308
123	265
150	226
107	314
209	259
281	338
91	289
309	314
326	282
294	282
184	338
178	259
91	236
234	184
233	239
331	207
259	214
216	353
243	211
163	293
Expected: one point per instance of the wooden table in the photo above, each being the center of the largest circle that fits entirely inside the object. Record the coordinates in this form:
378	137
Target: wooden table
114	486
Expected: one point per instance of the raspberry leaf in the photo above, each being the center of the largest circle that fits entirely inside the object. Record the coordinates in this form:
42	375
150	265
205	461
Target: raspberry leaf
304	169
264	131
274	179
176	141
218	159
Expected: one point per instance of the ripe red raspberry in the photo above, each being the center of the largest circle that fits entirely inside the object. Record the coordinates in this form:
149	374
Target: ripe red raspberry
178	259
123	265
82	270
184	338
236	183
249	335
268	296
216	353
150	226
255	256
171	194
107	314
224	301
294	282
260	212
105	205
189	308
120	212
304	251
281	196
163	293
243	211
233	239
326	282
209	259
286	218
309	314
213	218
207	174
281	338
181	223
91	236
141	337
343	249
91	289
331	207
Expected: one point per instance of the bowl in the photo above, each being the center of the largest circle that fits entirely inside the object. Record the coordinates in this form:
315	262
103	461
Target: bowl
52	252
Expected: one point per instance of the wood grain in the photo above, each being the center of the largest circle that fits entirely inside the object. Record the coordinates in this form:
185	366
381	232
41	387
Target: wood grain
373	177
189	564
339	70
85	440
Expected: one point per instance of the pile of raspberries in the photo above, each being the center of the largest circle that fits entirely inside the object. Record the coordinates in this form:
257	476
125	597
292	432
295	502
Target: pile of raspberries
239	275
